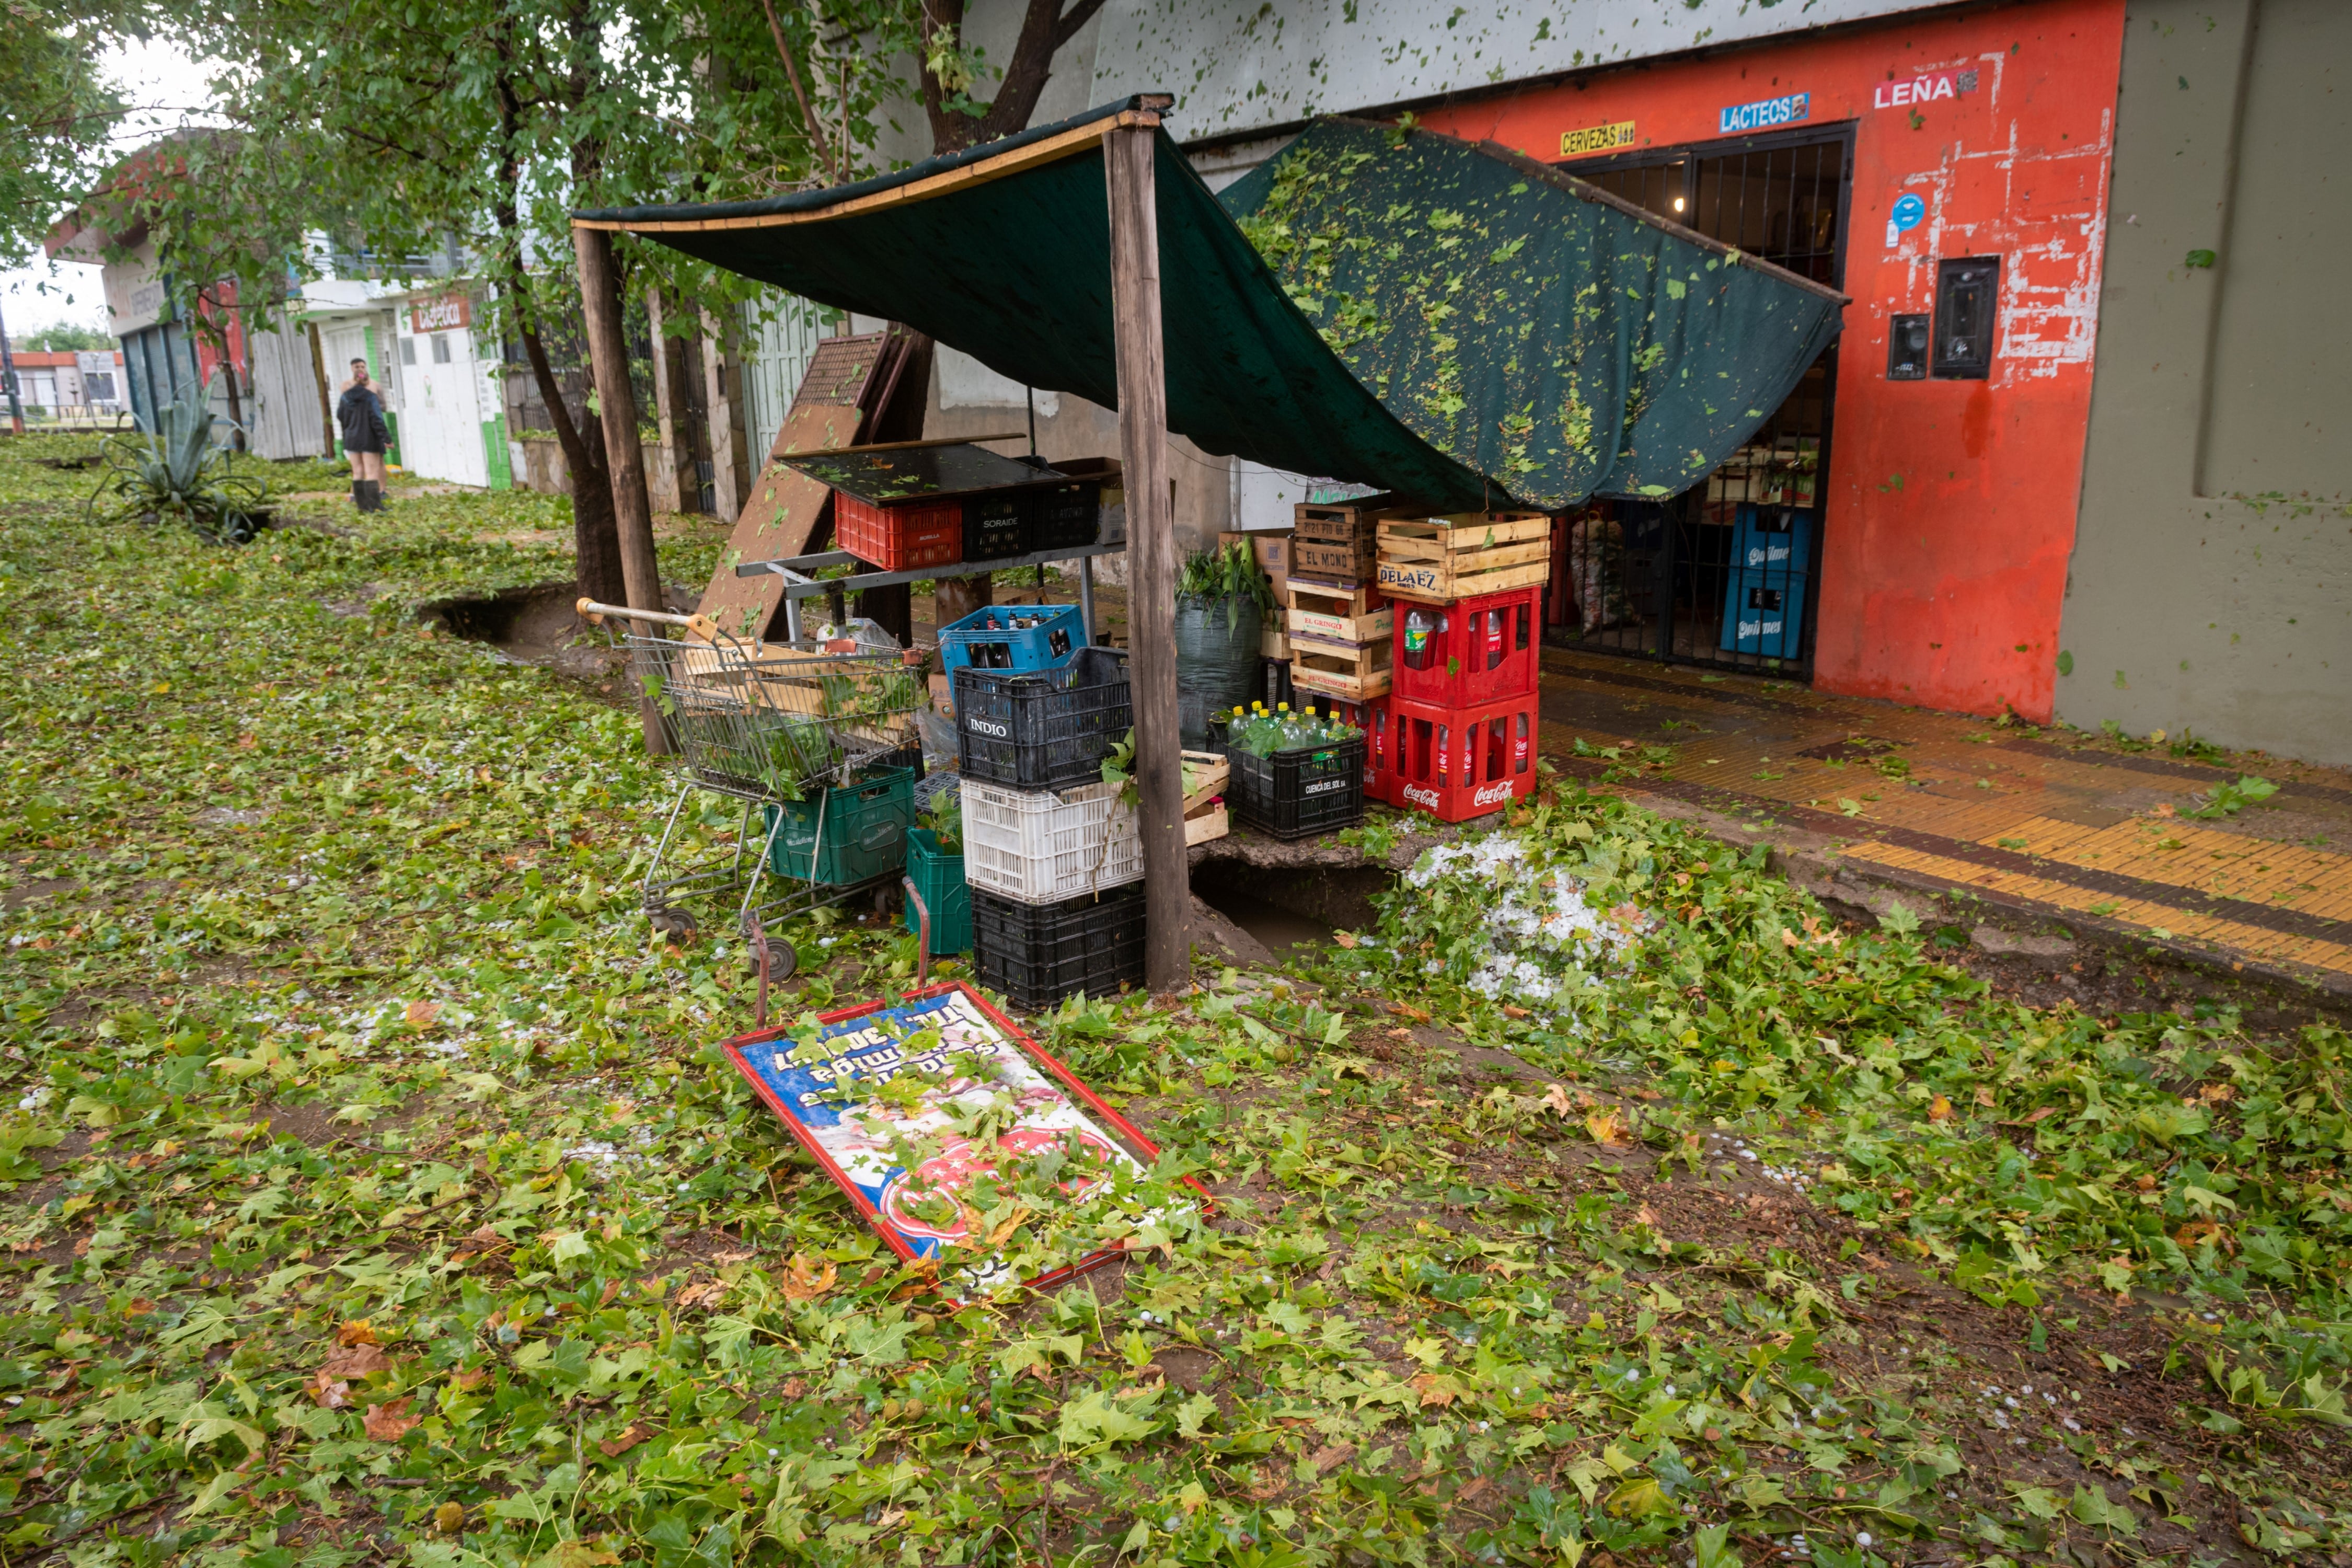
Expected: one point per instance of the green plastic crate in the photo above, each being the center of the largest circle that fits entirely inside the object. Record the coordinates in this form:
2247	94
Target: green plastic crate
939	881
866	828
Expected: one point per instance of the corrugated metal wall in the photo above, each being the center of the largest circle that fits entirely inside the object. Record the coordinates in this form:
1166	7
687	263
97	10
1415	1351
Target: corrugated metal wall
776	356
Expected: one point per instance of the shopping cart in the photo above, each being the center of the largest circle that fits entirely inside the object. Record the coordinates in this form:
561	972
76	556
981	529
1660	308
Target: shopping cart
782	729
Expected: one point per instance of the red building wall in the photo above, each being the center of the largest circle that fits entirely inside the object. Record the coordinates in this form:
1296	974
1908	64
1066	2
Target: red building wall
1948	505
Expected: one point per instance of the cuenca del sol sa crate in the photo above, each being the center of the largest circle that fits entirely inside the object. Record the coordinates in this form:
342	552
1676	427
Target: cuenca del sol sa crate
1459	763
1304	792
1021	638
1463	556
1485	649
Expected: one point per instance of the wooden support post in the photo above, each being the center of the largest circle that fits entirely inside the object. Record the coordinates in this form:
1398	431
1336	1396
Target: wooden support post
617	405
1127	154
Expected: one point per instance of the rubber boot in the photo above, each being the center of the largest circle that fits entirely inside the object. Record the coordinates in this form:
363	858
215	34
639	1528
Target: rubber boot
371	495
359	495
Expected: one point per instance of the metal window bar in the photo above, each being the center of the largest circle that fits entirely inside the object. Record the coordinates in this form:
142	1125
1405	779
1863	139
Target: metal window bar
1665	572
765	725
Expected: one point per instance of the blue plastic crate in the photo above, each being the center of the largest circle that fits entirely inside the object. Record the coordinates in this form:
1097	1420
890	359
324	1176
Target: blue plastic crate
988	639
1773	538
1764	613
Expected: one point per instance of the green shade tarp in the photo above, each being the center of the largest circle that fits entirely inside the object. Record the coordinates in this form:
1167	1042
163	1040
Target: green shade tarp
1580	331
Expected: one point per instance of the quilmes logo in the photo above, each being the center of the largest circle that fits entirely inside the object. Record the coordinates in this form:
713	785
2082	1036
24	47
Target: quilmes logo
1492	795
988	727
1422	794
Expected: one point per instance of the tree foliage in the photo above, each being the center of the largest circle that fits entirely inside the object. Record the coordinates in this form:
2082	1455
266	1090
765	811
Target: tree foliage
56	114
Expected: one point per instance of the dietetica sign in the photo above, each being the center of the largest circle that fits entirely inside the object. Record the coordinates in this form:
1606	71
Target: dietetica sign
1766	112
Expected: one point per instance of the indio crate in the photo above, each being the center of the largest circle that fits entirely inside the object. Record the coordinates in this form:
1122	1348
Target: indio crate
1044	729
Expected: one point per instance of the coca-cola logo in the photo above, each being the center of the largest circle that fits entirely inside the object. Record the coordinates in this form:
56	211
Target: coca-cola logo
1420	795
1493	793
988	727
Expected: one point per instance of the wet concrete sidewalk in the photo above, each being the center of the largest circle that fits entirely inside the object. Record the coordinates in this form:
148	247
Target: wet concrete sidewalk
2055	829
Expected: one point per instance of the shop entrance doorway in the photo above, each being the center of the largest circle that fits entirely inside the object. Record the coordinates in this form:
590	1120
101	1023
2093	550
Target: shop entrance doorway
1727	571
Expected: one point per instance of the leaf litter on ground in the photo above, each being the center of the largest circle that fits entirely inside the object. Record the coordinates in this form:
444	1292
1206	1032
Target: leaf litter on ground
374	1189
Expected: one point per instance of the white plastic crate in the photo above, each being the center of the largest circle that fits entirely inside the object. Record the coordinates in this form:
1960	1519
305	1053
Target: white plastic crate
1043	846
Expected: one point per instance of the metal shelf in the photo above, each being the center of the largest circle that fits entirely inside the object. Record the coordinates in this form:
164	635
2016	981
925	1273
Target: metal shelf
799	583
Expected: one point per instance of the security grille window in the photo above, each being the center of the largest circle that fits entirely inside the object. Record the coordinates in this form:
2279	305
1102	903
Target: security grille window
1967	291
1722	573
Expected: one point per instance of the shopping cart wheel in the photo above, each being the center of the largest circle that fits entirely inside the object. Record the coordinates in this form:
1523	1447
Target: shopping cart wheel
782	961
675	924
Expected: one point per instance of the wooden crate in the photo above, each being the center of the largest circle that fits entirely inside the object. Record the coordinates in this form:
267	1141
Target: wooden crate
1355	672
1347	565
1205	777
1342	522
1437	560
1330	615
1273	642
1213	823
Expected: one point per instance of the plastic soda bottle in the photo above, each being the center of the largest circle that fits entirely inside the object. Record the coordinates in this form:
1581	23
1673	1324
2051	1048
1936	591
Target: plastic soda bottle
1418	625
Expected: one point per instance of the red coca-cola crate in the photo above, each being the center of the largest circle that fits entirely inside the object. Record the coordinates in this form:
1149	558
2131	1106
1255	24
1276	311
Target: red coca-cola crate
1460	763
898	538
1486	649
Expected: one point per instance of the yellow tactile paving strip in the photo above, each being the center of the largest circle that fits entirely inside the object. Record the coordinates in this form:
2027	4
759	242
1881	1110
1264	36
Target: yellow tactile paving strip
2085	833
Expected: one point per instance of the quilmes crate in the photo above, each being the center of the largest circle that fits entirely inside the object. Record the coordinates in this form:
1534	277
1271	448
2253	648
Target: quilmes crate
1772	538
1764	613
1485	649
846	835
1044	729
1460	763
1302	792
1463	556
1023	637
1040	955
939	882
1040	847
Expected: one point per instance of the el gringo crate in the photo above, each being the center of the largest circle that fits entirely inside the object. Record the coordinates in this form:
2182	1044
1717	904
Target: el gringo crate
1039	955
1024	638
1460	763
1463	556
1338	615
1044	729
898	538
939	883
844	836
1485	649
1041	846
1302	792
1356	671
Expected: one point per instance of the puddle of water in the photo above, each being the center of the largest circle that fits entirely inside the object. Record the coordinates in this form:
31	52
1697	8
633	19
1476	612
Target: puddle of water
1278	929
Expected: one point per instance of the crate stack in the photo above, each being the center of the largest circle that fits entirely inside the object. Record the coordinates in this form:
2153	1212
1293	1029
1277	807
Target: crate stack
1457	739
1053	856
1334	611
1764	600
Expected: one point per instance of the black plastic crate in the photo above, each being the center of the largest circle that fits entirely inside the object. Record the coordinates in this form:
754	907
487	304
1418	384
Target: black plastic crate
1045	729
1040	955
1299	793
1067	515
996	524
1274	675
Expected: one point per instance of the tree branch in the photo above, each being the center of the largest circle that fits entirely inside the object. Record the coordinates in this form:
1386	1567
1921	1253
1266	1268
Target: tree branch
793	73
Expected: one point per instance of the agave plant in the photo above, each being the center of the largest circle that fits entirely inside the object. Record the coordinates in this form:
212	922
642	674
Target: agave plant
176	471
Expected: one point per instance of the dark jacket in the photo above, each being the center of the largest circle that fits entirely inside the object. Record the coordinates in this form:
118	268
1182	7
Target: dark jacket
360	415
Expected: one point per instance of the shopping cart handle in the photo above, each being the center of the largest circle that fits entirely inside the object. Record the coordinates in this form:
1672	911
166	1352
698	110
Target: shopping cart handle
701	626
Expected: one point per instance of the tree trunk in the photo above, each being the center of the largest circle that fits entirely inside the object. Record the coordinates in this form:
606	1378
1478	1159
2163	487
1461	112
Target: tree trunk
596	534
616	403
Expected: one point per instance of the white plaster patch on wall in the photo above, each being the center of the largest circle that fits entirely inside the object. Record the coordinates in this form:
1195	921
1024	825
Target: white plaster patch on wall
1239	65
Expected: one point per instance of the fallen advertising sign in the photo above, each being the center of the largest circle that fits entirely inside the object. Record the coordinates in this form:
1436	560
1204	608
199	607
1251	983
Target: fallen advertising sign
963	1143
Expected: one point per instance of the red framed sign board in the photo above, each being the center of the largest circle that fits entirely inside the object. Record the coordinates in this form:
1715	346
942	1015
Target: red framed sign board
973	1058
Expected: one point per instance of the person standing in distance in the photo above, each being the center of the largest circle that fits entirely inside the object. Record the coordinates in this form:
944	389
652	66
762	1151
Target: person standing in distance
358	413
